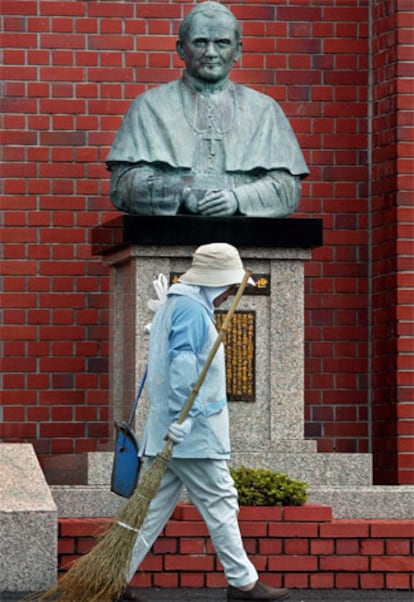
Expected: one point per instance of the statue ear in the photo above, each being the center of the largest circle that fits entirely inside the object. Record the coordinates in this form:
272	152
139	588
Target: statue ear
238	53
179	48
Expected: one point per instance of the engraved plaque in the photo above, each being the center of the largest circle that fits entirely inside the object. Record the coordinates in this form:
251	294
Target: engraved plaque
262	283
239	342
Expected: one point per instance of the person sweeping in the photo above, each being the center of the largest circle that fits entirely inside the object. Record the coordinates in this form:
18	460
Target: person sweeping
182	334
185	441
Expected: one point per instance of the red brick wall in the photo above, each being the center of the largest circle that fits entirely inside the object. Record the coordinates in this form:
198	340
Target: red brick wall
295	547
70	72
392	244
337	302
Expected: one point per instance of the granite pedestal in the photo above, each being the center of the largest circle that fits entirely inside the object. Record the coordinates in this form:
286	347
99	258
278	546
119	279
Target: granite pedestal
138	249
268	431
28	522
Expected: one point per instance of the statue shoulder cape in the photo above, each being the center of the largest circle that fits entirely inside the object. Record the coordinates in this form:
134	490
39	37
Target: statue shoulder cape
155	129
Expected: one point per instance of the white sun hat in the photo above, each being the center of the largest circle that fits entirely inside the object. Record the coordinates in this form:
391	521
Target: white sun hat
215	264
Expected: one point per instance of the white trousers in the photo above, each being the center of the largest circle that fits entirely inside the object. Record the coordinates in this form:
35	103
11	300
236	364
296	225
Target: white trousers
211	489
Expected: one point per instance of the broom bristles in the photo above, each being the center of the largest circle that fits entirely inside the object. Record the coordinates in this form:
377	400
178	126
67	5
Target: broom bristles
101	575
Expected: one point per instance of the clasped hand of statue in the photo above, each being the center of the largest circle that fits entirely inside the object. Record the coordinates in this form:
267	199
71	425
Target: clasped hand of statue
214	203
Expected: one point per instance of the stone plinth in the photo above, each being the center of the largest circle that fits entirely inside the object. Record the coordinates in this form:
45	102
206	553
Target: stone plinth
269	431
277	413
28	522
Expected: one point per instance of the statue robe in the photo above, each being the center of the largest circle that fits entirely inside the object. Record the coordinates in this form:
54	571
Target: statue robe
175	138
156	130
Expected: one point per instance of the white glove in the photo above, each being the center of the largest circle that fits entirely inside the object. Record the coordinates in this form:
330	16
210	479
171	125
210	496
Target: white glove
161	288
178	432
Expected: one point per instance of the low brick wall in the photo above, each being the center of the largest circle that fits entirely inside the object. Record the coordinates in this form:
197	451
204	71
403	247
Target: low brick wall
301	547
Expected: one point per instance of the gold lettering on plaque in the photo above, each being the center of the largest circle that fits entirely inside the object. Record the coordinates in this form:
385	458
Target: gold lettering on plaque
262	283
239	344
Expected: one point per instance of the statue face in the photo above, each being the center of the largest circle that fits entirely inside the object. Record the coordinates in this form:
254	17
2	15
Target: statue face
210	47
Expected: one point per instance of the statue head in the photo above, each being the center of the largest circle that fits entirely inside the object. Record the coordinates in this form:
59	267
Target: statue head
209	41
211	9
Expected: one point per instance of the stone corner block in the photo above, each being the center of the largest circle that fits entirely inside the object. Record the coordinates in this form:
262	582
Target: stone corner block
28	522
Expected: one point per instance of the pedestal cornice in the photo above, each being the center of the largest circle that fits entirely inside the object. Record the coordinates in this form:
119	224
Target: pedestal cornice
125	230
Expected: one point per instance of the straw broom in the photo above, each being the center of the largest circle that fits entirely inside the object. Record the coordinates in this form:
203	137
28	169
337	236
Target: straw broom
101	575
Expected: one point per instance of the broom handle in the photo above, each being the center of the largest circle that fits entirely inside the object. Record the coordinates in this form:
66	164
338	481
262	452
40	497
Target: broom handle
224	327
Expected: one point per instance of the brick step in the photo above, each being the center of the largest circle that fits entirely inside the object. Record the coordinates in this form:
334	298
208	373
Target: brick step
301	547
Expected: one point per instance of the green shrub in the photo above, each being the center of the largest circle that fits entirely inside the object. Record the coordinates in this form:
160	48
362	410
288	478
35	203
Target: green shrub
262	487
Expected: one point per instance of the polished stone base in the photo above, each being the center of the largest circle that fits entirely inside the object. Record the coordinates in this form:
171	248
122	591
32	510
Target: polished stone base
183	230
28	522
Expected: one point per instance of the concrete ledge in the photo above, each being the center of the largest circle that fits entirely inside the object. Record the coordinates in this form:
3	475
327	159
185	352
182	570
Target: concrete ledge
317	469
28	522
85	501
100	468
374	502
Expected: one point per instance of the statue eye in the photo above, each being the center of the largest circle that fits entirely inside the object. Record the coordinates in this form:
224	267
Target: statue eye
223	43
200	43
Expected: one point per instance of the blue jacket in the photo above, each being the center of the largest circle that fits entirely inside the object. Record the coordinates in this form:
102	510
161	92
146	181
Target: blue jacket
182	334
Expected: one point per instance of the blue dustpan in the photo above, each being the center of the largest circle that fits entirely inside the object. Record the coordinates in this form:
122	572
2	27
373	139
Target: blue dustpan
126	465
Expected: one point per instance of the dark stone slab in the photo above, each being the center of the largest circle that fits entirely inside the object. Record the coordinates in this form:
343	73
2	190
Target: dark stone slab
186	230
65	469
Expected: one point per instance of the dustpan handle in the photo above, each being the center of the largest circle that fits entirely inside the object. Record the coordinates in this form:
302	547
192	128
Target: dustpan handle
138	395
224	327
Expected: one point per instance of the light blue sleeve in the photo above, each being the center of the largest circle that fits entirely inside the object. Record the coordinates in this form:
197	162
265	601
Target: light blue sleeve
189	331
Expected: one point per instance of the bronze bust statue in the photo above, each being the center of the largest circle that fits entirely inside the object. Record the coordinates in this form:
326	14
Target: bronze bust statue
204	144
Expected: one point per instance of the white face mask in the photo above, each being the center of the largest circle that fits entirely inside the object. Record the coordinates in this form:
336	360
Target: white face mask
212	292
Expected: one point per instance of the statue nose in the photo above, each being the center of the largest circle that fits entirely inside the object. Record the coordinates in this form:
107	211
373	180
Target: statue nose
211	49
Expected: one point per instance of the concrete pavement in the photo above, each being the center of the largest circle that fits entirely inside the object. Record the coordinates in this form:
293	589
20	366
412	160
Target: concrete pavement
219	595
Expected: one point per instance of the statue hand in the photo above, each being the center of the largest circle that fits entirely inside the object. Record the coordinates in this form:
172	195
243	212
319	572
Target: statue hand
190	200
218	203
165	194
